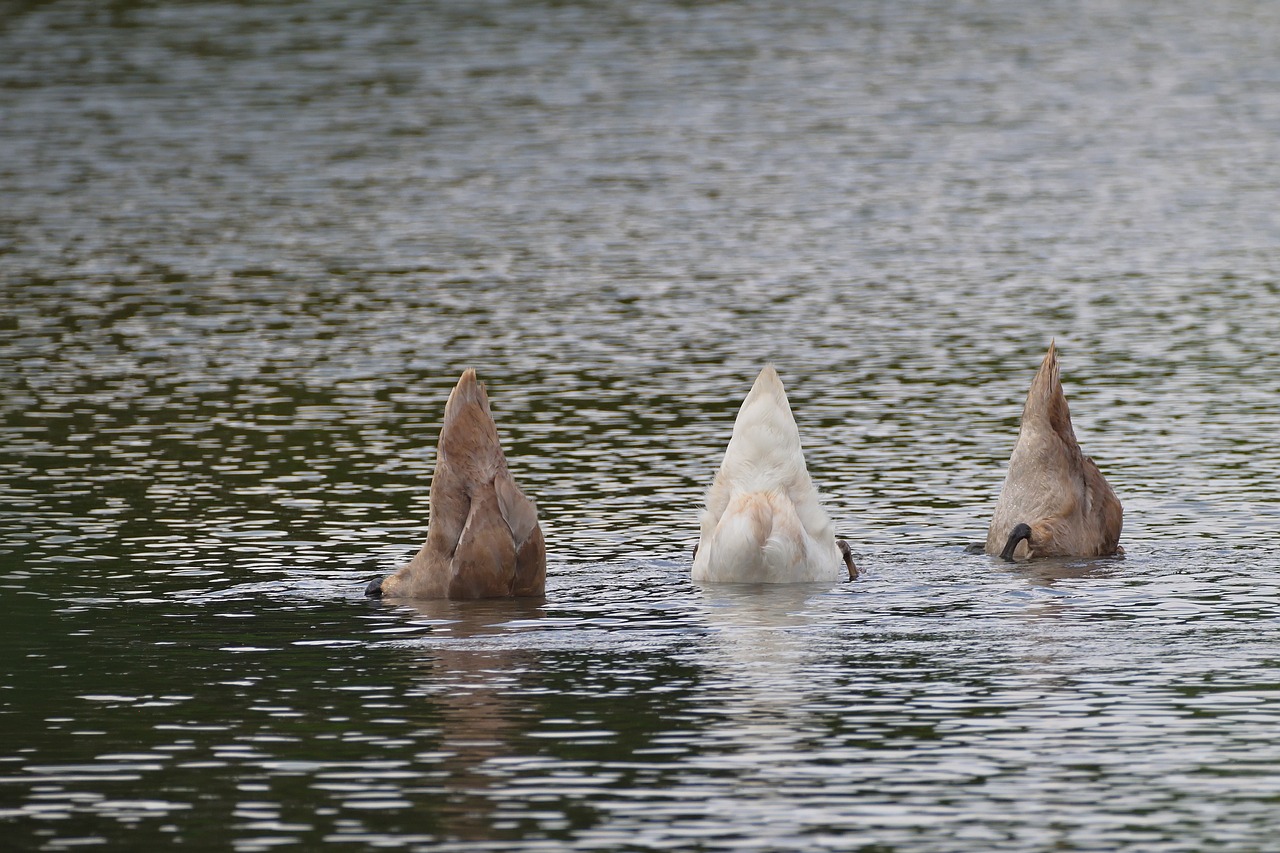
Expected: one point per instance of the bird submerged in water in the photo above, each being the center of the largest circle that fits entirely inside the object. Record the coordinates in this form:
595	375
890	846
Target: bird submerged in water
763	521
483	538
1054	502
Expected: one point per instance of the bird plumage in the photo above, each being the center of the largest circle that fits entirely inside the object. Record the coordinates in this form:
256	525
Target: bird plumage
1067	506
763	520
483	538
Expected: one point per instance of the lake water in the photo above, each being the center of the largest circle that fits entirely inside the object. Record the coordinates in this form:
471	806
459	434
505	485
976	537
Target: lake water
246	250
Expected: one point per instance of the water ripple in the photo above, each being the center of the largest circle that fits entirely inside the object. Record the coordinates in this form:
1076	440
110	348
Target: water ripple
244	255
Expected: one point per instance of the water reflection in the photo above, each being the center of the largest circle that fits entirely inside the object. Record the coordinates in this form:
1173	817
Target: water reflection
756	626
1048	572
760	645
472	672
246	249
759	683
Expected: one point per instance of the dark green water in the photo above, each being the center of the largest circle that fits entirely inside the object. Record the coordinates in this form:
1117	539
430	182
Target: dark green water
245	251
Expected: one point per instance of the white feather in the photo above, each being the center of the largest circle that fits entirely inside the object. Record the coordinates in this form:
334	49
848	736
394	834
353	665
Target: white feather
764	521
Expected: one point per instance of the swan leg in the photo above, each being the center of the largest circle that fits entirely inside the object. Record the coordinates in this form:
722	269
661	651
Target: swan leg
848	558
1020	532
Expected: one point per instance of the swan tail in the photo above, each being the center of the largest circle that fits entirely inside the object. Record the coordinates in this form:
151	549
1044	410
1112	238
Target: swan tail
1046	404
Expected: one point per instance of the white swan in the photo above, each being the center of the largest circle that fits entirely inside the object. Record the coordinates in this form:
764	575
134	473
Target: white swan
1055	502
483	538
763	521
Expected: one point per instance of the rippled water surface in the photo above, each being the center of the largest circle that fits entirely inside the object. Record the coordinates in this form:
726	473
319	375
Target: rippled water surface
246	249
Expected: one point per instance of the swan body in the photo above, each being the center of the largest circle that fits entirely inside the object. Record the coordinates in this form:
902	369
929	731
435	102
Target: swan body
1054	502
483	538
763	521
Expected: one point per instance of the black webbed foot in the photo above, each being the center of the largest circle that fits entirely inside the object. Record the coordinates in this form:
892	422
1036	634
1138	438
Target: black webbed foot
976	548
1020	531
847	554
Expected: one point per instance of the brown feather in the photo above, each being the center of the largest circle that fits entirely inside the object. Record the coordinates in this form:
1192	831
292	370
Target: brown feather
483	539
1051	485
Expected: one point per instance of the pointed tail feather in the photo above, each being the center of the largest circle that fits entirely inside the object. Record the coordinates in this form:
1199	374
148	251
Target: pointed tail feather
764	451
468	455
1046	403
468	430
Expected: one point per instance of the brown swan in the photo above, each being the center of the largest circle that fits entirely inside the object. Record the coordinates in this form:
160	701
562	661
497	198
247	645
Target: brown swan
483	538
1055	502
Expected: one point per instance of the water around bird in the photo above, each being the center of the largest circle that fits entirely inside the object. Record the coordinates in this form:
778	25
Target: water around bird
246	251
